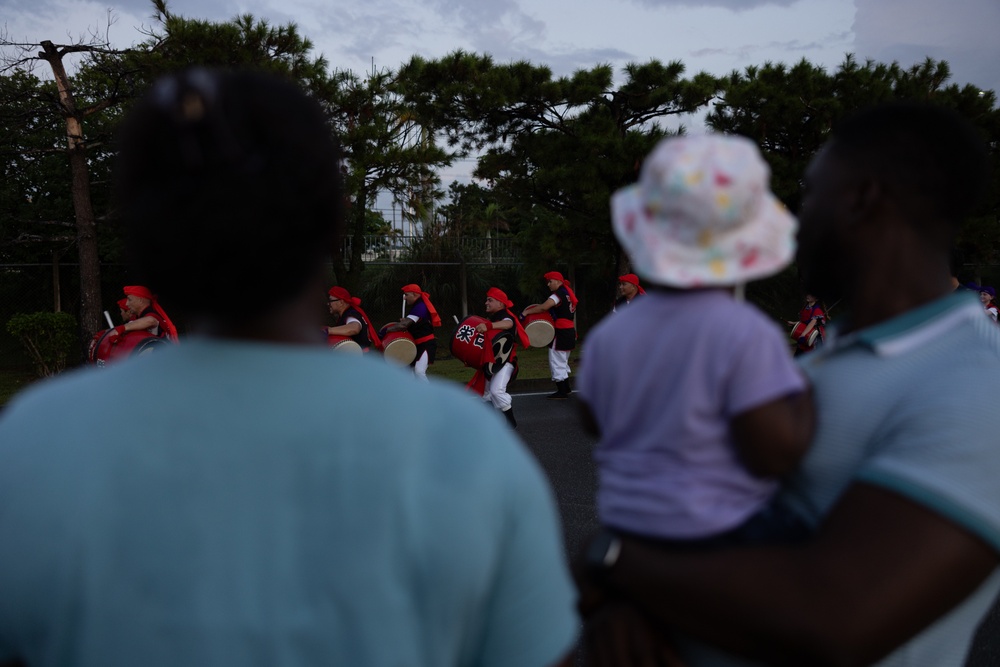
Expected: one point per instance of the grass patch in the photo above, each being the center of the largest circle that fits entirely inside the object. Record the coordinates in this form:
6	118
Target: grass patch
533	364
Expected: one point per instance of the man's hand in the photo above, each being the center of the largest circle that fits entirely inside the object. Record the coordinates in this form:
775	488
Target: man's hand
616	633
809	604
117	331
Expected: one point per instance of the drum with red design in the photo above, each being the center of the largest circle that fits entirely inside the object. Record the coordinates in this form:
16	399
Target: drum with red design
398	347
106	349
540	328
467	344
488	350
799	328
343	344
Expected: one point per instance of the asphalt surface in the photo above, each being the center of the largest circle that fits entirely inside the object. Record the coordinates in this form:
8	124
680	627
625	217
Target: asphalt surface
551	430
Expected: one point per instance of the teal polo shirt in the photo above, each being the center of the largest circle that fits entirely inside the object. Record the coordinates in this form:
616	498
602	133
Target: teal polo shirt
909	405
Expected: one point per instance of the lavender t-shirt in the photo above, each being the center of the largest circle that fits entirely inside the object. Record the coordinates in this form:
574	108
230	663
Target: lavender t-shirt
663	379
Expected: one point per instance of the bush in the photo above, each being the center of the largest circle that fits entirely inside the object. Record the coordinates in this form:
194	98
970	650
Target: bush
50	339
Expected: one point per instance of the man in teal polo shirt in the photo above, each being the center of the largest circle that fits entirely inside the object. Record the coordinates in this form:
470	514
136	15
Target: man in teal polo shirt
900	484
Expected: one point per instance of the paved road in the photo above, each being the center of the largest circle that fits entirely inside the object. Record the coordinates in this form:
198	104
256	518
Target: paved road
552	431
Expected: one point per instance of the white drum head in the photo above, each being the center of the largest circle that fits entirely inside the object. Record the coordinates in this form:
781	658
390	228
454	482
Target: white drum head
401	351
540	333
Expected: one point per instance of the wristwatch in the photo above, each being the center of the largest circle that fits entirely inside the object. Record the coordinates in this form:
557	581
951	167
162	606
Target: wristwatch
602	552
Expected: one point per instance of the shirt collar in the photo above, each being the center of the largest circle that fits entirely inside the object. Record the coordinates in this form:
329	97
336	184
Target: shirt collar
913	328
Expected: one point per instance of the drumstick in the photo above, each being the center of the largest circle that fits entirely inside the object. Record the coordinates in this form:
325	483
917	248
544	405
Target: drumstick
108	318
456	318
404	309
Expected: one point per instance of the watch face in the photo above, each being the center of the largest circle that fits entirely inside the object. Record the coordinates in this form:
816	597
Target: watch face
597	550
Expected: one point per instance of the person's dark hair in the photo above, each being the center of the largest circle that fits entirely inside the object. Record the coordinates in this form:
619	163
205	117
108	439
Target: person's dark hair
228	182
934	158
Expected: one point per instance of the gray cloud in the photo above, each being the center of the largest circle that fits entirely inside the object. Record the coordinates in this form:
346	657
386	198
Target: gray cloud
357	32
796	49
908	31
491	25
564	63
734	5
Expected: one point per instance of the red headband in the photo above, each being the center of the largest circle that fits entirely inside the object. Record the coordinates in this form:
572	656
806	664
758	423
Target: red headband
140	291
500	296
633	279
555	275
145	293
344	295
123	304
426	298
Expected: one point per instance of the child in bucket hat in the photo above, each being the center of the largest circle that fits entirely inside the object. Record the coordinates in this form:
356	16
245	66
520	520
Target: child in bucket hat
702	215
693	392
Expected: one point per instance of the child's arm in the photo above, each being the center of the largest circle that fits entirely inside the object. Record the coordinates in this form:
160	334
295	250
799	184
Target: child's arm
772	438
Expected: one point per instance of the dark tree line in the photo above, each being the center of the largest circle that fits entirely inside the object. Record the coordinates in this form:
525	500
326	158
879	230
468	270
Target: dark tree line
549	149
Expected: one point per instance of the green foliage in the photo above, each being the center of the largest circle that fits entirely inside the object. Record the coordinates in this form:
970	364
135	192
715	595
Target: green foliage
241	42
790	111
472	210
554	149
550	149
36	208
49	338
388	148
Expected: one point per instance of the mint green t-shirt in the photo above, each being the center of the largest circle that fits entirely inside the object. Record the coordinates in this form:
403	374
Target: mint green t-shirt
232	503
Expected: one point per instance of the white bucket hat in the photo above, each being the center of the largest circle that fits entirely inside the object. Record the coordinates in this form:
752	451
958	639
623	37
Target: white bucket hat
703	215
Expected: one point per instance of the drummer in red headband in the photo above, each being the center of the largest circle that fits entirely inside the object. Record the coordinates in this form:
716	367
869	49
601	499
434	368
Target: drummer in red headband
504	366
123	309
149	316
420	319
628	289
351	320
562	302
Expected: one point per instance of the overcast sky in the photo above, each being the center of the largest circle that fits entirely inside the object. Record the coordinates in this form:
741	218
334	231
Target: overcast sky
713	35
716	36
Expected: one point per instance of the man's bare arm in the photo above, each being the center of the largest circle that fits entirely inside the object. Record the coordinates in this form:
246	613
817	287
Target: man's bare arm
501	325
401	325
881	569
349	329
542	307
142	323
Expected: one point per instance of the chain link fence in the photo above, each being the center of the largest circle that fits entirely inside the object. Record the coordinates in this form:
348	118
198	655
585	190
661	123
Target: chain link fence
476	251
